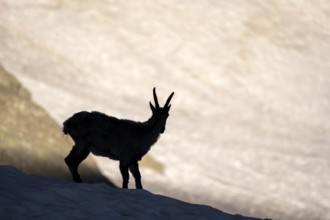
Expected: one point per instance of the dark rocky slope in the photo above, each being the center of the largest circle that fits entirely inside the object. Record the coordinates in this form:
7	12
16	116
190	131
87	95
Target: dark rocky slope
30	139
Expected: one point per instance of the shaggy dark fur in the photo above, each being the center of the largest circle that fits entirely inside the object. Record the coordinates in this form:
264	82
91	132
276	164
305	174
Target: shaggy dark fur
119	139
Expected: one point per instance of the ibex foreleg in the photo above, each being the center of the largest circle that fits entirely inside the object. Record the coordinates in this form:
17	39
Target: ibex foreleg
124	173
134	168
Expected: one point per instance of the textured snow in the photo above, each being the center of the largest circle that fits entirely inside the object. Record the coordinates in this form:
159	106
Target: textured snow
34	197
248	130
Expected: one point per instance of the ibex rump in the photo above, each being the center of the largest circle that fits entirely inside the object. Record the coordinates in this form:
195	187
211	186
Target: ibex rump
119	139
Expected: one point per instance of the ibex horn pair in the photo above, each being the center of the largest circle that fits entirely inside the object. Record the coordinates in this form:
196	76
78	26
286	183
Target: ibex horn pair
167	101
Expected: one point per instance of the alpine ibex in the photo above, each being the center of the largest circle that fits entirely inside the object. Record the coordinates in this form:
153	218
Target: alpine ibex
119	139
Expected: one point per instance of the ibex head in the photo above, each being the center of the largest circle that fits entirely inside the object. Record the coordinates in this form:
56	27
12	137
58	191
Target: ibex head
161	112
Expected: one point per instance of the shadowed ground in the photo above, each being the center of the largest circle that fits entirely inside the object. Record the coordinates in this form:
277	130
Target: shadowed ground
50	198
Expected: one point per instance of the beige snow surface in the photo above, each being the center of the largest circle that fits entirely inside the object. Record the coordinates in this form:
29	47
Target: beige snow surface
249	129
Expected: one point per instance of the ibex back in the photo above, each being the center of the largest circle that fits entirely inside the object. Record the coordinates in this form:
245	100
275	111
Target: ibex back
124	140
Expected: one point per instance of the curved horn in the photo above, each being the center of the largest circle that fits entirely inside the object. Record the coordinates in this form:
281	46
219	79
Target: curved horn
155	98
168	100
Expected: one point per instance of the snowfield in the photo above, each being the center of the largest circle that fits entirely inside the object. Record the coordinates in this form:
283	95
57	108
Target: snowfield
249	127
36	197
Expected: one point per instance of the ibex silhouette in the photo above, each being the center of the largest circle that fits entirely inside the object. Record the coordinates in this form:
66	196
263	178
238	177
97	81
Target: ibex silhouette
119	139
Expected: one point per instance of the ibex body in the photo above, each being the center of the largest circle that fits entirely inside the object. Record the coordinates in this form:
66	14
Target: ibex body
124	140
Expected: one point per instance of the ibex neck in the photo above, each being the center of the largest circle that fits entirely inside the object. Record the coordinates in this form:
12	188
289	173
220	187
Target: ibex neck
152	128
154	124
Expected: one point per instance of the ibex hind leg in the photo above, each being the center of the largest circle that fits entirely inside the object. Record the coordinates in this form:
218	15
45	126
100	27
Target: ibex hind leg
75	157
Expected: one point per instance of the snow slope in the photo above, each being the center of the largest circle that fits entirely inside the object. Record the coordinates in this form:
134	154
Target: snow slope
248	130
34	197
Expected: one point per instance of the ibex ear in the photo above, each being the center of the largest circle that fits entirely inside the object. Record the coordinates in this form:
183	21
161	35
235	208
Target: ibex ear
152	107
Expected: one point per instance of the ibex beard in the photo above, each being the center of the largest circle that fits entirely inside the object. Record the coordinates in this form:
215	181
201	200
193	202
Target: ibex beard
119	139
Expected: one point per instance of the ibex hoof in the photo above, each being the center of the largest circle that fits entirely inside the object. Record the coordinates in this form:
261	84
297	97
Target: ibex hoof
77	180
